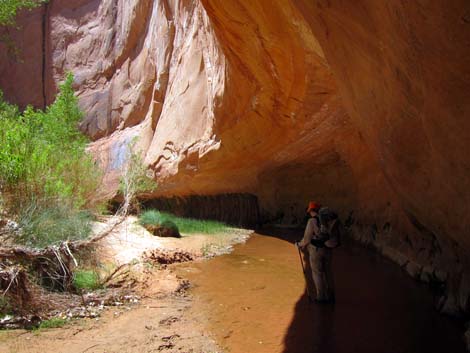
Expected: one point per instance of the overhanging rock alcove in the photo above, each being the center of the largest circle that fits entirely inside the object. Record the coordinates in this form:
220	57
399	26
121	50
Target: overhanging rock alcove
361	106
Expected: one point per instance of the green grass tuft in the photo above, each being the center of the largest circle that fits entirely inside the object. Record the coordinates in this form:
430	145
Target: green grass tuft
151	218
184	225
52	323
86	280
43	225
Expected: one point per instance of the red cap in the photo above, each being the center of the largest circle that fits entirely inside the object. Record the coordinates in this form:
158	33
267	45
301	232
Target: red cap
312	205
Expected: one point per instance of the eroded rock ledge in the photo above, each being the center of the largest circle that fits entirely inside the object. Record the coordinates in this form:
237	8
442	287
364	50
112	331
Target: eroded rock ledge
359	105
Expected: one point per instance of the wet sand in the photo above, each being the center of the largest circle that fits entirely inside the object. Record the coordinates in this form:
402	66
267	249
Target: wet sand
254	300
159	322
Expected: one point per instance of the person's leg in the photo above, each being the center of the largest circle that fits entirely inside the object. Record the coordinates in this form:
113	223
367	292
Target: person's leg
312	259
310	284
318	273
329	275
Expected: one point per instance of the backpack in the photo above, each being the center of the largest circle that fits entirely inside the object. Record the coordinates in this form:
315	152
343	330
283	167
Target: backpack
330	227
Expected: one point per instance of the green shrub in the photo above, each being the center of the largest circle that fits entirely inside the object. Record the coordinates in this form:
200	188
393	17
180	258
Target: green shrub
43	155
46	176
86	280
151	218
52	323
47	225
184	225
135	178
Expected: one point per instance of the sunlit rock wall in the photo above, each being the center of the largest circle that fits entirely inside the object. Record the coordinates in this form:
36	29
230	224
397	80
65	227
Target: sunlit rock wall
360	105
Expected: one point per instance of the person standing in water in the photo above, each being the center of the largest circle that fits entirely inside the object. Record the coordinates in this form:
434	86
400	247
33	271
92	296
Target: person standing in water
320	255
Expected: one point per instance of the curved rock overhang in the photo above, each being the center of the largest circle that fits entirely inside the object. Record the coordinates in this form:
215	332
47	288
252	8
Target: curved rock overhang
360	105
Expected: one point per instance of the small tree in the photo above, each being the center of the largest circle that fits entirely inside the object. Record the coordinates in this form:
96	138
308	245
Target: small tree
48	181
135	179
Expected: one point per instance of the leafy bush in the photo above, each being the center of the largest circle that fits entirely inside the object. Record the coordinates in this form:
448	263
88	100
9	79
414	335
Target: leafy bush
184	225
86	280
43	153
46	176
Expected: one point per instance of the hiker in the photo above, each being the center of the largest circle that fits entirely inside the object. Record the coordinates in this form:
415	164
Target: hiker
319	246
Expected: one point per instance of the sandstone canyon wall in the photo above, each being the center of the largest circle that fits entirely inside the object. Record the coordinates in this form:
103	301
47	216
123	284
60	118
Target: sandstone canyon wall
361	105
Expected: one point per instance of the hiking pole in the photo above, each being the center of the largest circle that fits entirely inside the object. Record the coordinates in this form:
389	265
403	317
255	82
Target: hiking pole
305	276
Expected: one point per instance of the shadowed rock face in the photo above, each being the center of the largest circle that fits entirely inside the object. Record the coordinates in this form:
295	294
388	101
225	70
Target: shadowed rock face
359	105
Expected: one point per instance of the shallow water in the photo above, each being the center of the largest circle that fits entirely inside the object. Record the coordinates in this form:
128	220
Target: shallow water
254	300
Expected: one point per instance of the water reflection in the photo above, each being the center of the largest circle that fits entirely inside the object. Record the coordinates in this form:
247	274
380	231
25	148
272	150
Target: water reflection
255	301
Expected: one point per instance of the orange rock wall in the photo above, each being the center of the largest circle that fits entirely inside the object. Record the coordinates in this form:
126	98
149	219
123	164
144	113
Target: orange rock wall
361	105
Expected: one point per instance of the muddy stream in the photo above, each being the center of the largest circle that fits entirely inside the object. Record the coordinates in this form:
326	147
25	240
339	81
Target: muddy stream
254	300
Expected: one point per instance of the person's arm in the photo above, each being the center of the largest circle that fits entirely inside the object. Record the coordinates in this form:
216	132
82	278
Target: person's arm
310	231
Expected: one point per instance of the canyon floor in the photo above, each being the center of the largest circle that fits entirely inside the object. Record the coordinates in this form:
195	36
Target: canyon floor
252	298
159	321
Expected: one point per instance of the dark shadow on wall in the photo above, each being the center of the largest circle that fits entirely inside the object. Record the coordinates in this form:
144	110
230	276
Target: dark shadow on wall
285	191
379	309
234	209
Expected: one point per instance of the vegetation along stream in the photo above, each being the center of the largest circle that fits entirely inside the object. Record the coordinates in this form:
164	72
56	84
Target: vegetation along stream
254	300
